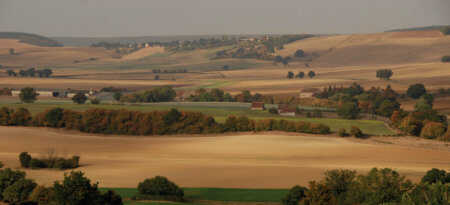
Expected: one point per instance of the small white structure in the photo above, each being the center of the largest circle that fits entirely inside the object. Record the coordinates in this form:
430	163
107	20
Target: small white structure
306	95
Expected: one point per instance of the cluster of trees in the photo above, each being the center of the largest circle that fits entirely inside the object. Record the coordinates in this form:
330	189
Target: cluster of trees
150	123
112	89
75	189
300	75
446	30
445	59
279	59
6	91
213	95
354	99
170	71
52	161
384	74
159	188
31	72
159	94
379	186
299	53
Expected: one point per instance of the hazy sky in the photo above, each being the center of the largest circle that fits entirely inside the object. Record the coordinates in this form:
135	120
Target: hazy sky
178	17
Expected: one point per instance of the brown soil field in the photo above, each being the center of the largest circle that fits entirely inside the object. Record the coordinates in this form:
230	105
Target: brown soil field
264	160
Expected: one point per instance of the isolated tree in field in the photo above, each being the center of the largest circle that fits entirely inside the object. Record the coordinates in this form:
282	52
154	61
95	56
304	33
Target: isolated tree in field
160	186
117	96
156	77
299	53
79	98
290	75
11	73
278	59
25	159
384	74
416	91
445	59
300	75
348	110
311	74
28	95
12	51
286	60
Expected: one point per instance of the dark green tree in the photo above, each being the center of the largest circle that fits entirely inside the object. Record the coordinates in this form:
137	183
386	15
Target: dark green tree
54	116
436	175
28	95
295	195
416	91
299	53
76	189
8	177
300	75
12	51
348	110
311	74
160	186
25	159
384	74
290	75
79	98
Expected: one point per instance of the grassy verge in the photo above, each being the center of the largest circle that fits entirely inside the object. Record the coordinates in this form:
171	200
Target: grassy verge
219	194
220	111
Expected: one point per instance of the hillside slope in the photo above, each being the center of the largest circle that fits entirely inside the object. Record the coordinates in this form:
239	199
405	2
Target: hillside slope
32	39
374	49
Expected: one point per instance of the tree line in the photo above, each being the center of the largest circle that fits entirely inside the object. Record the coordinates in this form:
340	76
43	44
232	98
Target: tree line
378	186
300	75
31	72
124	122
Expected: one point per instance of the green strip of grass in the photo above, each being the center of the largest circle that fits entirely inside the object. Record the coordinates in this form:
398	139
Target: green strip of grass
220	194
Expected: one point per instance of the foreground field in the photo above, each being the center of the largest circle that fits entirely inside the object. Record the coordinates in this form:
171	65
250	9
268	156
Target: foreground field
270	160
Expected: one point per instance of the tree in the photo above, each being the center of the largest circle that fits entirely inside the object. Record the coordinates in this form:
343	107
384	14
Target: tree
76	189
54	117
11	73
19	192
300	75
278	59
79	98
416	91
425	103
348	110
290	75
446	30
342	132
286	60
311	74
295	195
299	53
445	59
25	159
117	96
28	95
384	74
436	175
156	77
388	107
12	51
162	187
8	177
356	132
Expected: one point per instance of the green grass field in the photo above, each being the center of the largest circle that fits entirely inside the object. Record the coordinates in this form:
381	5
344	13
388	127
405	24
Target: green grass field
220	111
217	194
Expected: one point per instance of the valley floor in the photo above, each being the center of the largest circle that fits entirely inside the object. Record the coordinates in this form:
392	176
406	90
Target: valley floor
246	160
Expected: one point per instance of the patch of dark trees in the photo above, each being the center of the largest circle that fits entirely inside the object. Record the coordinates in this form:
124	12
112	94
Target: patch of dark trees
31	72
51	161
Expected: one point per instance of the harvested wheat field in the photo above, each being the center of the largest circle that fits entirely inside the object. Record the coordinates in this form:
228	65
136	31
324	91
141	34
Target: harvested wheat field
266	160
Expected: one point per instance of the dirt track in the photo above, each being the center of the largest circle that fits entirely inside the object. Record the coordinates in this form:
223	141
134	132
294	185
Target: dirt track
270	160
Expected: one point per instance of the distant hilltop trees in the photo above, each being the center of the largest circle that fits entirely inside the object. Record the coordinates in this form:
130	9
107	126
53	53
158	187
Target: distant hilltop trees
31	72
32	39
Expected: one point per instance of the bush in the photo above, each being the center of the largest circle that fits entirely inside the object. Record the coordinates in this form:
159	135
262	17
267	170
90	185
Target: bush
295	195
51	162
79	98
348	110
416	91
37	164
8	177
273	111
432	130
446	30
160	187
19	192
445	59
436	175
356	132
28	95
25	159
42	196
111	198
342	132
76	189
95	101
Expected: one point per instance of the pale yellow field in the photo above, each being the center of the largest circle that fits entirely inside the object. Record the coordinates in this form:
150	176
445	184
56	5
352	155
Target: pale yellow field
270	160
142	53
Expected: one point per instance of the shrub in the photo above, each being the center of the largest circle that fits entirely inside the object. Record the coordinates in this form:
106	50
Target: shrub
19	192
273	111
445	59
42	196
436	175
299	53
160	188
356	132
21	117
348	110
8	177
37	164
28	95
76	189
446	30
51	162
111	198
54	117
79	98
416	91
295	195
432	130
95	101
342	132
25	159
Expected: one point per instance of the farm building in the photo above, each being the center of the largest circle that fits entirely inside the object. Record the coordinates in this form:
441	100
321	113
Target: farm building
306	94
257	106
286	110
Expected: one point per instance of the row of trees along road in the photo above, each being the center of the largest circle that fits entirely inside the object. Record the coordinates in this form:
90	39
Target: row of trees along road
300	75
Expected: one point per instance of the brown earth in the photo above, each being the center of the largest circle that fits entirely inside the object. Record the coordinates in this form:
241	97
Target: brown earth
265	160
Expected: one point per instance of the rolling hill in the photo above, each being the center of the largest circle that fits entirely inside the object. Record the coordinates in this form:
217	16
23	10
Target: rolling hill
32	39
